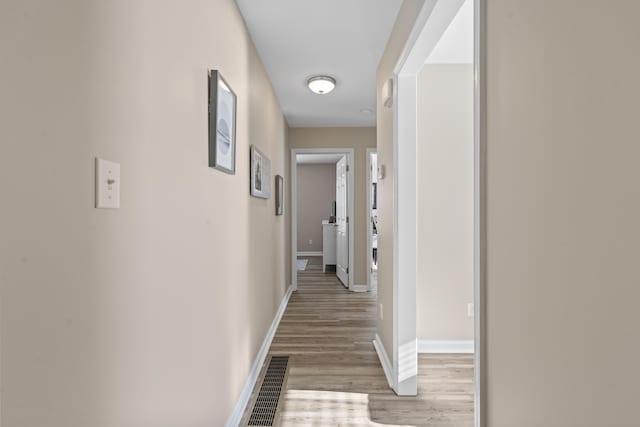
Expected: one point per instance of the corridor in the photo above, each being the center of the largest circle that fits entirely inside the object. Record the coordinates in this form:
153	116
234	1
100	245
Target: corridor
335	377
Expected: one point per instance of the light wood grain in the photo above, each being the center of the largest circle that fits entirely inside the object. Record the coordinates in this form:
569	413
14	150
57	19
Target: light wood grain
335	377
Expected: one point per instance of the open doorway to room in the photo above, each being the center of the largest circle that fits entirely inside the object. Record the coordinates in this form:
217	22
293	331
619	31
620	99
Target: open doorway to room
437	207
322	205
372	219
445	211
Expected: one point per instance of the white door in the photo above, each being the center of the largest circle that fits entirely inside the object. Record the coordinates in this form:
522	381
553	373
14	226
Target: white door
342	220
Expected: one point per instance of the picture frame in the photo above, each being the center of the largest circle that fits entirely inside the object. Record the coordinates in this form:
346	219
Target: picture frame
222	124
260	170
279	195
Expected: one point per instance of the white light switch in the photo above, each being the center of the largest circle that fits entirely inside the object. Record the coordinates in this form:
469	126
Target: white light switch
107	184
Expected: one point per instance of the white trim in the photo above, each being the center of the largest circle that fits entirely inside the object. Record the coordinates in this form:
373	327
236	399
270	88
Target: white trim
367	218
479	206
445	346
350	153
309	253
384	361
360	288
238	411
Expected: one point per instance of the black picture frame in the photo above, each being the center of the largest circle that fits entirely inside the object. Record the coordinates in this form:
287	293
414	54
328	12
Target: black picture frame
279	195
260	174
374	195
222	124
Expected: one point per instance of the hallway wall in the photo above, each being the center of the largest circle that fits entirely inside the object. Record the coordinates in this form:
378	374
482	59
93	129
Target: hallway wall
360	139
316	193
445	202
563	209
151	314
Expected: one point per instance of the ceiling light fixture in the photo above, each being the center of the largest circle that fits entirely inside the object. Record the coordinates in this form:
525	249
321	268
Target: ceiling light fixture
321	84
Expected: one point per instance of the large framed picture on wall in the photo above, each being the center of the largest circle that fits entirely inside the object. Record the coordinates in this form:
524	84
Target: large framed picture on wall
222	124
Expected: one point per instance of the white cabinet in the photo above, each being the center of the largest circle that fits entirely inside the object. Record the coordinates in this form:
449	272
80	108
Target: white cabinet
328	244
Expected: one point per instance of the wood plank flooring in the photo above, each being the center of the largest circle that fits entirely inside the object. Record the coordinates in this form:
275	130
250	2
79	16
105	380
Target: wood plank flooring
335	378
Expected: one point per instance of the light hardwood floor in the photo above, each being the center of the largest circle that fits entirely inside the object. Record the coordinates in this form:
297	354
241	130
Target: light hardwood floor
335	378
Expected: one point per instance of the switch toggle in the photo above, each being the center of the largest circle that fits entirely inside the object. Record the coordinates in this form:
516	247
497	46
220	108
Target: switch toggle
107	184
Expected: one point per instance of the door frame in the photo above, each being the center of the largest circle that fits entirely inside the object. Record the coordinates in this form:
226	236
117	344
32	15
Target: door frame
431	23
368	216
349	152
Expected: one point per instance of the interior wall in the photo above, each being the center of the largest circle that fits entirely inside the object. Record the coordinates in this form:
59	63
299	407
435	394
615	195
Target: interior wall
404	23
445	202
315	197
359	139
151	314
563	204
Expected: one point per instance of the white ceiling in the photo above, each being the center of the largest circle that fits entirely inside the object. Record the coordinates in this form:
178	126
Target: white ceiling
456	44
297	39
318	158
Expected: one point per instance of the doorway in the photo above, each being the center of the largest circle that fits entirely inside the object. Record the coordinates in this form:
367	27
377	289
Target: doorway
372	219
433	21
332	248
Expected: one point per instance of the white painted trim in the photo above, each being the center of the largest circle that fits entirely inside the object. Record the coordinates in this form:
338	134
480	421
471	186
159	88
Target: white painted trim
360	288
433	20
384	361
350	153
238	411
445	346
367	218
479	206
309	253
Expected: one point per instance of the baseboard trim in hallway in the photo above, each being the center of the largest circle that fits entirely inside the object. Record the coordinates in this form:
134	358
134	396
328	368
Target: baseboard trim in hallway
238	411
384	360
443	346
302	254
359	288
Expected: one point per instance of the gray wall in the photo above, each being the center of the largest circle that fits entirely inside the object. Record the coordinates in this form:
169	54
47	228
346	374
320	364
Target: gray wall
563	210
151	314
445	202
316	193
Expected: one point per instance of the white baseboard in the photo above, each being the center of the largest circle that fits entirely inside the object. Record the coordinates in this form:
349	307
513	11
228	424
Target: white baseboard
441	346
236	416
309	253
384	361
359	288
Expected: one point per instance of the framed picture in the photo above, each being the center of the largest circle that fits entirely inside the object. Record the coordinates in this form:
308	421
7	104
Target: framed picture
279	195
260	174
374	195
222	124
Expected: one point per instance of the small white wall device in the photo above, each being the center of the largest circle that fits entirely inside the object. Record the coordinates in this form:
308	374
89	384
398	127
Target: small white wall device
387	93
107	184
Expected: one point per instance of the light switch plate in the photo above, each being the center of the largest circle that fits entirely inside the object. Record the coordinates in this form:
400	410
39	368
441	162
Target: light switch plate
107	184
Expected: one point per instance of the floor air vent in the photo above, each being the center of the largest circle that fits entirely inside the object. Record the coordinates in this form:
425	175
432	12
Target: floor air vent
265	410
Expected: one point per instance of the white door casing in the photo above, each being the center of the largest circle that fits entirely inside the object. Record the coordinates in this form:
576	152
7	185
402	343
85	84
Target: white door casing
342	221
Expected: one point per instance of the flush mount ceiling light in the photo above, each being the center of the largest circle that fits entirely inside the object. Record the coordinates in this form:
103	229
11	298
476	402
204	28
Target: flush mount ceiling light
321	84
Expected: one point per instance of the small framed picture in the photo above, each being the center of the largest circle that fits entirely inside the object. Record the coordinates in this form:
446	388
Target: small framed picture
279	195
260	174
222	124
